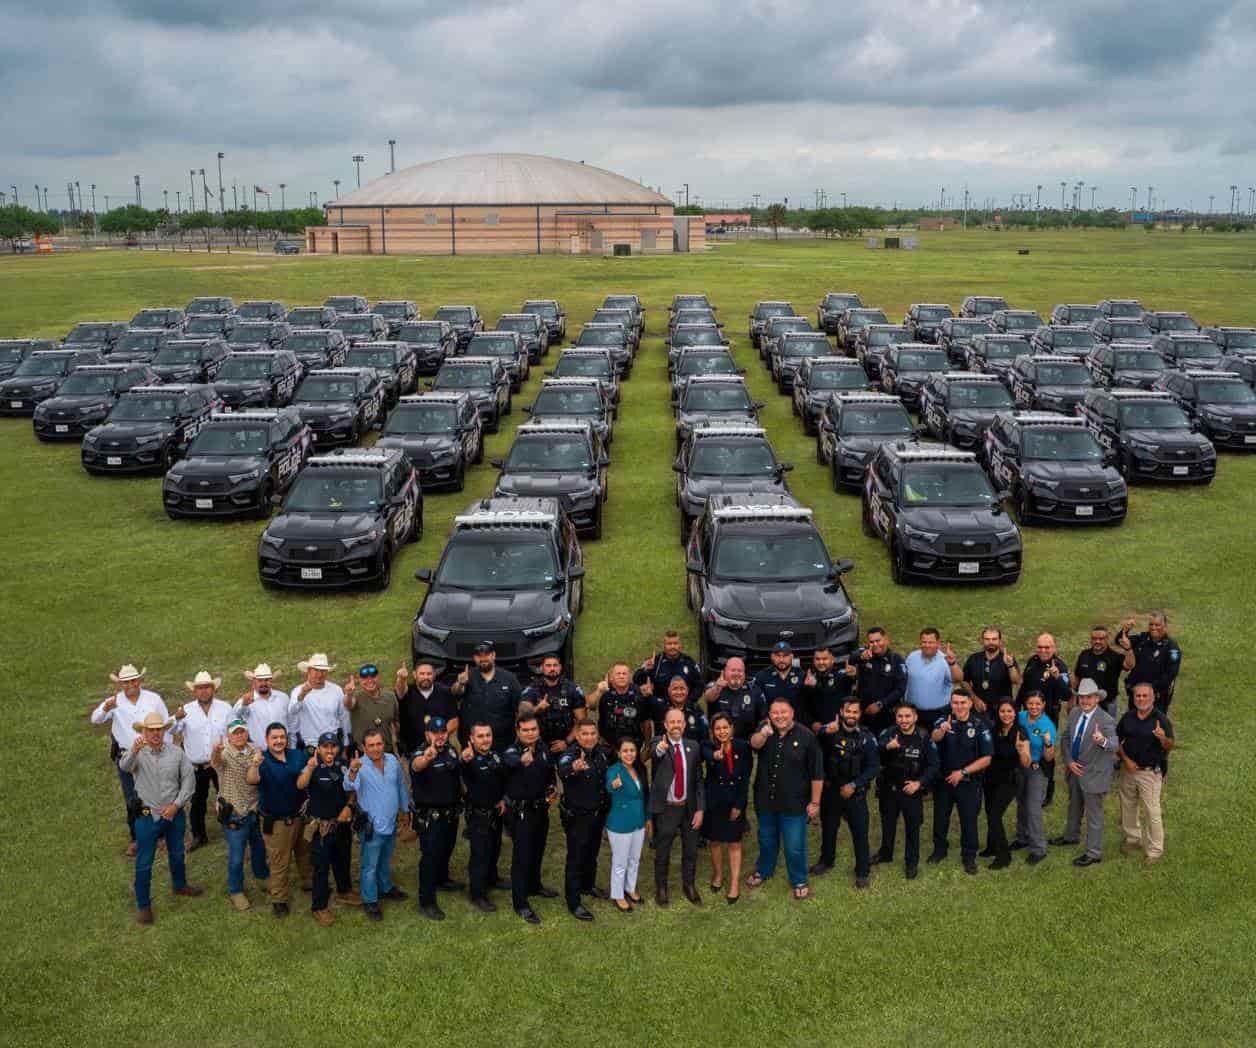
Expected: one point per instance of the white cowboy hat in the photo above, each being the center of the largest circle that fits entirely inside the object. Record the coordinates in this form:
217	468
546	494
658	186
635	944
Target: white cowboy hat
1086	686
128	672
201	679
317	661
152	720
261	671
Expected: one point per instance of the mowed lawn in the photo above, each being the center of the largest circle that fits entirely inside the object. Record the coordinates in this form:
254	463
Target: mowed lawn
96	575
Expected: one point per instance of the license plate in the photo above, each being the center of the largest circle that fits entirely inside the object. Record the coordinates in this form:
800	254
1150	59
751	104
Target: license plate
1085	511
969	567
226	409
113	460
61	429
204	503
1181	471
1250	439
313	574
15	403
314	437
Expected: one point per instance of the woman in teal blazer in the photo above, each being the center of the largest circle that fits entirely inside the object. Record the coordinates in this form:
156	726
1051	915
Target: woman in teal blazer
625	825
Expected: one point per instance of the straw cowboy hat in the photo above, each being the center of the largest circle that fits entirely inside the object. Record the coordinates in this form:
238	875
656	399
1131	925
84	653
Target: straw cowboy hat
201	679
128	672
152	720
317	661
261	671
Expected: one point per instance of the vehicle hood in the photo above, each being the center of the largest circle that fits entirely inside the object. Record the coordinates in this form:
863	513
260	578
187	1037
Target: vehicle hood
237	387
123	431
705	487
216	465
866	445
433	443
1070	472
1238	411
313	527
979	417
104	400
325	409
956	523
1142	379
777	601
542	484
1174	438
31	382
485	610
176	371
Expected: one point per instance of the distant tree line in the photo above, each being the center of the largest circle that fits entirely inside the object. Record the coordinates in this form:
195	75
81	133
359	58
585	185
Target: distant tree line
17	223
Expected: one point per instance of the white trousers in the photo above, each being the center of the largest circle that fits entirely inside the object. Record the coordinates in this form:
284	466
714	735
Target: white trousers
625	858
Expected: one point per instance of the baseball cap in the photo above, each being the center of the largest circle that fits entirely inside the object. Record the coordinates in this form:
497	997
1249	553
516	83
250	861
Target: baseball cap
332	737
235	725
782	645
436	723
485	647
368	669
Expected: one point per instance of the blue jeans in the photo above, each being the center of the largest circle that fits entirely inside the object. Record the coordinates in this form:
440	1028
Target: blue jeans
127	781
147	833
776	829
249	835
375	858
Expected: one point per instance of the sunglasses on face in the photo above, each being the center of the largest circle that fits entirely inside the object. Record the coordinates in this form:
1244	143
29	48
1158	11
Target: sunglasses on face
369	670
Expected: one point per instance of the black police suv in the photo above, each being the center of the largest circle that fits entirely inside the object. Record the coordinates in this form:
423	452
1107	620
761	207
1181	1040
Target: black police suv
1120	329
759	573
1233	339
1125	365
713	398
775	329
465	320
169	319
575	399
817	380
260	378
700	361
343	521
630	302
1242	364
361	327
760	314
933	506
148	429
39	376
1023	322
14	350
558	460
189	359
1121	307
317	347
440	433
431	340
506	346
395	313
484	380
530	328
589	363
689	301
552	314
311	317
85	397
340	404
512	573
872	342
625	316
343	304
907	366
1054	469
101	336
981	305
790	350
685	335
1047	382
704	315
994	354
852	427
259	334
261	309
725	459
142	344
394	362
209	304
956	334
206	325
236	463
1150	435
957	407
1188	351
1220	403
613	338
1064	340
1074	314
1162	321
923	320
832	306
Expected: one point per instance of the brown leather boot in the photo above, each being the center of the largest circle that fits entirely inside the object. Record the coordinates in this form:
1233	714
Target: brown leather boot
324	918
144	916
348	899
190	890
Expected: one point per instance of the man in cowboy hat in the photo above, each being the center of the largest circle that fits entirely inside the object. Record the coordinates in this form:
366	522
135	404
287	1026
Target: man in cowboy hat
127	703
371	707
237	804
261	703
163	785
317	705
198	726
1089	742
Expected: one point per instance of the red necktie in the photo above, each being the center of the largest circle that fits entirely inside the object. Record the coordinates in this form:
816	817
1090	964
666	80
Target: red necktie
728	757
678	772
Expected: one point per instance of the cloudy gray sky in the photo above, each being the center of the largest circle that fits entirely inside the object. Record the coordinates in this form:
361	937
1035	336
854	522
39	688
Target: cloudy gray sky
881	99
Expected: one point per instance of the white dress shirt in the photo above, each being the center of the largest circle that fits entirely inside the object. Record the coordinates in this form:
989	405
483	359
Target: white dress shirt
200	729
322	709
126	713
262	712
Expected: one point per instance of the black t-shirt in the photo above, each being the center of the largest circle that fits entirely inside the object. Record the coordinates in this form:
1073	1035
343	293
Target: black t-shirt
326	791
788	764
491	701
1138	740
414	709
1104	668
990	679
1005	762
1056	691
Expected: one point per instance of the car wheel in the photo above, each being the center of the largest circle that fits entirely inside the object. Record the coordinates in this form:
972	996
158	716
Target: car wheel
866	522
691	598
1023	511
704	651
495	424
595	532
416	525
835	478
384	577
168	458
568	654
898	568
460	478
263	503
820	460
510	404
686	526
478	457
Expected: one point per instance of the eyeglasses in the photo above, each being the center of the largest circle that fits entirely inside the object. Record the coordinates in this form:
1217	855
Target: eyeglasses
369	670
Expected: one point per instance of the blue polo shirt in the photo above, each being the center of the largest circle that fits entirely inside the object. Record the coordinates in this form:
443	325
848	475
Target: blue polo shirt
277	792
1040	732
928	681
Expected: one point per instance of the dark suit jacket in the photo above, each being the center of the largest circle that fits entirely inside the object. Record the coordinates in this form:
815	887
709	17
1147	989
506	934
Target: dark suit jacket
662	774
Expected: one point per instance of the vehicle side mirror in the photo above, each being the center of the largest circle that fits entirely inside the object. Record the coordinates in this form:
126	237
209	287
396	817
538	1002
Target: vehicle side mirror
843	567
497	463
424	575
919	431
693	564
576	573
527	410
739	371
276	500
677	467
550	373
429	385
759	405
726	342
604	460
785	467
1110	459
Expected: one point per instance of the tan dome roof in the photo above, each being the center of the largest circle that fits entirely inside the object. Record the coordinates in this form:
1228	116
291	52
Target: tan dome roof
500	178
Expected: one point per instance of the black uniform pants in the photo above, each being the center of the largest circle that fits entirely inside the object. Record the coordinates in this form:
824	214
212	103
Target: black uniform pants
330	854
436	845
484	832
529	834
967	798
584	836
893	803
204	775
1048	767
671	821
854	809
999	796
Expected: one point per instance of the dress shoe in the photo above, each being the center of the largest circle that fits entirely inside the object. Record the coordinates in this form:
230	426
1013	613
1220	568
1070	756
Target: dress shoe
660	894
623	906
544	893
596	892
395	894
1061	840
348	898
450	886
1129	849
239	900
195	843
372	911
691	893
528	914
986	853
880	857
1033	860
501	885
483	905
820	869
911	872
1017	845
323	917
144	916
580	913
970	865
279	909
190	891
635	899
1000	863
861	882
1086	860
731	899
432	912
936	857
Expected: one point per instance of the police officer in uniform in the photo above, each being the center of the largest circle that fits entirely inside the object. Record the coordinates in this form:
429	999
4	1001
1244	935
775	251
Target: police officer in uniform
851	762
880	679
489	695
697	728
436	789
991	673
1103	664
419	697
825	687
622	711
965	749
585	802
530	789
783	679
484	777
328	828
1151	658
909	766
1045	672
660	669
558	704
740	698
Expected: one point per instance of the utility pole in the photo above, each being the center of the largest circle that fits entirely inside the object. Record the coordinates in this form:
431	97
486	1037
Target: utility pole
283	200
1211	196
1092	197
178	200
1062	185
964	221
222	190
205	187
192	187
165	200
235	195
686	194
756	200
139	199
37	207
93	198
1150	196
392	155
336	182
1234	200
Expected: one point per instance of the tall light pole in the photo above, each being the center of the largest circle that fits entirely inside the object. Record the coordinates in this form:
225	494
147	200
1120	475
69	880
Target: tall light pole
942	199
45	199
165	200
1080	187
1234	200
1211	197
843	201
37	207
336	182
392	155
139	197
1062	185
93	198
686	194
1150	196
357	159
756	200
178	201
79	190
205	187
1092	197
16	201
222	190
283	200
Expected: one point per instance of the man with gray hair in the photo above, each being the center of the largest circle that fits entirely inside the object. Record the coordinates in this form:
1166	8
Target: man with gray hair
1089	740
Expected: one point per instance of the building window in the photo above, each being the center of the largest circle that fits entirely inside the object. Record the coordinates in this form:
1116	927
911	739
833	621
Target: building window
490	219
429	218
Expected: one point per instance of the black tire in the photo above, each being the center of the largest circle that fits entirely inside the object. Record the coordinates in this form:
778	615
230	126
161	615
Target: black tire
595	532
494	426
384	578
510	403
479	450
263	503
686	525
567	653
866	522
820	454
460	478
834	476
704	651
898	570
1023	512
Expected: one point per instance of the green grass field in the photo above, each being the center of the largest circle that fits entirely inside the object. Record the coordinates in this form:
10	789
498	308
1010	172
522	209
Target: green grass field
96	575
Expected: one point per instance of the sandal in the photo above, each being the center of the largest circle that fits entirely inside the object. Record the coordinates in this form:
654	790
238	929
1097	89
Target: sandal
801	892
717	886
623	906
636	900
754	880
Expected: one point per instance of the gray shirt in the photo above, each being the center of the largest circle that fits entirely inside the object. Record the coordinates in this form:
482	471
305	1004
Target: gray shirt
162	776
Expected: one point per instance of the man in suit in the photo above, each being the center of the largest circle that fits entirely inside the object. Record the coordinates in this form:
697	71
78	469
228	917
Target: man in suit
1089	743
677	801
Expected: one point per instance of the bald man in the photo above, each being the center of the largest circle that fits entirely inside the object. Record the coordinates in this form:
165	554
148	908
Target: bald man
1047	673
740	698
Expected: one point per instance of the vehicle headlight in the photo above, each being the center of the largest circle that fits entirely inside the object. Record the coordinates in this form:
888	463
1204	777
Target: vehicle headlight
964	427
919	534
270	540
430	631
1116	487
838	620
1225	420
1007	536
93	409
724	622
365	539
240	478
532	632
148	438
1145	446
90	438
1039	482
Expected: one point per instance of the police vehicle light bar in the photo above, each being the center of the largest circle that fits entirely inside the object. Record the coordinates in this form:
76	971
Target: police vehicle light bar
51	352
716	429
180	388
459	361
870	397
588	351
933	455
719	376
982	376
308	330
341	372
1202	373
572	380
1047	418
251	352
546	426
1139	394
845	362
252	415
496	518
1052	358
100	369
373	457
436	397
735	513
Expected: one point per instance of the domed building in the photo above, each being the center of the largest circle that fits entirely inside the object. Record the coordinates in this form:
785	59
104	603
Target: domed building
503	203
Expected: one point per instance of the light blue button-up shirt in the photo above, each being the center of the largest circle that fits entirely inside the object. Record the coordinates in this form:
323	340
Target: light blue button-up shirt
928	681
380	794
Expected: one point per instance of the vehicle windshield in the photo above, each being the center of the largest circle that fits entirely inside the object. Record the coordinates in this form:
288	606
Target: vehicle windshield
1177	323
1060	445
206	324
1201	350
920	360
299	342
770	558
979	395
254	310
507	562
946	484
245	367
312	315
325	388
326	491
424	333
569	366
343	303
806	347
454	315
357	324
694	316
422	419
178	355
887	338
601	337
841	301
1021	321
1241	339
567	402
837	378
207	305
523	325
619	302
248	334
1129	330
365	357
85	383
774	310
488	346
967	329
702	337
1082	314
703	397
779	325
690	302
857	318
131	342
42	366
986	306
230	440
542	309
1153	415
705	364
550	454
391	310
612	316
88	333
473	377
1002	350
144	409
149	318
8	354
1140	361
875	421
1063	375
1232	392
1073	339
1125	309
932	313
724	459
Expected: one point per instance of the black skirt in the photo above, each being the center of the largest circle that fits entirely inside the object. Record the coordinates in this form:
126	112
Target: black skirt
719	826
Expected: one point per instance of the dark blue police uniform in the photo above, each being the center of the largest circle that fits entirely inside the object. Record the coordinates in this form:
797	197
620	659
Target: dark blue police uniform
964	743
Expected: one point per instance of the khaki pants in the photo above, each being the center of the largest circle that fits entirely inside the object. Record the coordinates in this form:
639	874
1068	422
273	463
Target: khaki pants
1140	792
284	841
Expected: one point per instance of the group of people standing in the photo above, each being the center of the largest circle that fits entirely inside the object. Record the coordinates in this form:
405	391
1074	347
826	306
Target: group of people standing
652	754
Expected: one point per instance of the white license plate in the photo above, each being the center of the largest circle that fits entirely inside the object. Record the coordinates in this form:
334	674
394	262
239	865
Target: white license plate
204	503
314	437
969	567
113	460
312	573
15	403
1181	471
1085	511
226	409
1250	439
61	429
